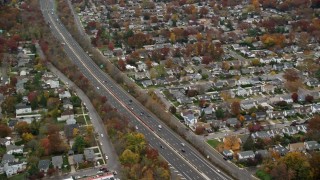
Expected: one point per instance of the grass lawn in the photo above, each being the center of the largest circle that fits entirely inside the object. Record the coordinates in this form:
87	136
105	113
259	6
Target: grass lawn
95	150
15	177
65	165
80	119
213	143
100	161
263	175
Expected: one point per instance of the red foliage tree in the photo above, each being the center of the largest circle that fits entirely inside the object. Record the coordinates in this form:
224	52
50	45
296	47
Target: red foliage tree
295	97
121	65
309	98
151	153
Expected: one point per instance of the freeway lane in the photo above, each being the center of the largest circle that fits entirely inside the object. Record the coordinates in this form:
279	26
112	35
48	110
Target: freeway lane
189	163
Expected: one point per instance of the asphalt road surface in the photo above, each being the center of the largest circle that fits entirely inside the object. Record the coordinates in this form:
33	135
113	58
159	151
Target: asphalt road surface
184	158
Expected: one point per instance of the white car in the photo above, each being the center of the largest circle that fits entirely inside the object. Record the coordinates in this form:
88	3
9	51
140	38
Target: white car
98	88
101	135
107	157
100	143
136	127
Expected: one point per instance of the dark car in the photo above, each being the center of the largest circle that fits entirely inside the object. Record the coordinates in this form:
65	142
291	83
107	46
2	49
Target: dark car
182	150
104	169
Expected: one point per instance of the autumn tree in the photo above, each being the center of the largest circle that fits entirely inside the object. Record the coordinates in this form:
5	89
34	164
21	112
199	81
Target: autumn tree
27	137
241	118
231	142
22	127
225	65
314	161
314	128
309	98
291	75
235	108
128	157
297	164
4	130
199	130
295	97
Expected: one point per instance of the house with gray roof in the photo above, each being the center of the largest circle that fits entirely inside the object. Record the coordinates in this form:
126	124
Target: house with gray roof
260	115
44	164
312	145
245	155
7	158
78	158
57	161
232	122
260	134
89	154
281	150
13	149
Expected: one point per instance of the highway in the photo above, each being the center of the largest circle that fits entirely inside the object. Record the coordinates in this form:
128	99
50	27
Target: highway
184	158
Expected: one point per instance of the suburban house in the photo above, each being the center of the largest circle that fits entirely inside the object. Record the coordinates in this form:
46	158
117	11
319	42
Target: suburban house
57	162
296	147
260	134
5	141
245	155
281	150
312	145
290	130
23	109
43	165
64	94
52	83
232	122
67	114
89	155
78	159
260	115
13	168
6	158
189	118
13	149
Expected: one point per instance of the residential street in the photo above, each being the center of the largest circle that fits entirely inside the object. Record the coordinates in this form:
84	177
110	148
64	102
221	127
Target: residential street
107	147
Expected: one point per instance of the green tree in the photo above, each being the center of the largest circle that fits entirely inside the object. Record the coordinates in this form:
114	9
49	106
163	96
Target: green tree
79	144
219	113
249	144
76	101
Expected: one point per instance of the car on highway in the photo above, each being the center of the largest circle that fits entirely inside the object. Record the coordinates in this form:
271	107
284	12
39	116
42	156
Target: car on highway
161	147
182	150
107	157
136	127
159	126
100	143
98	88
182	144
101	135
